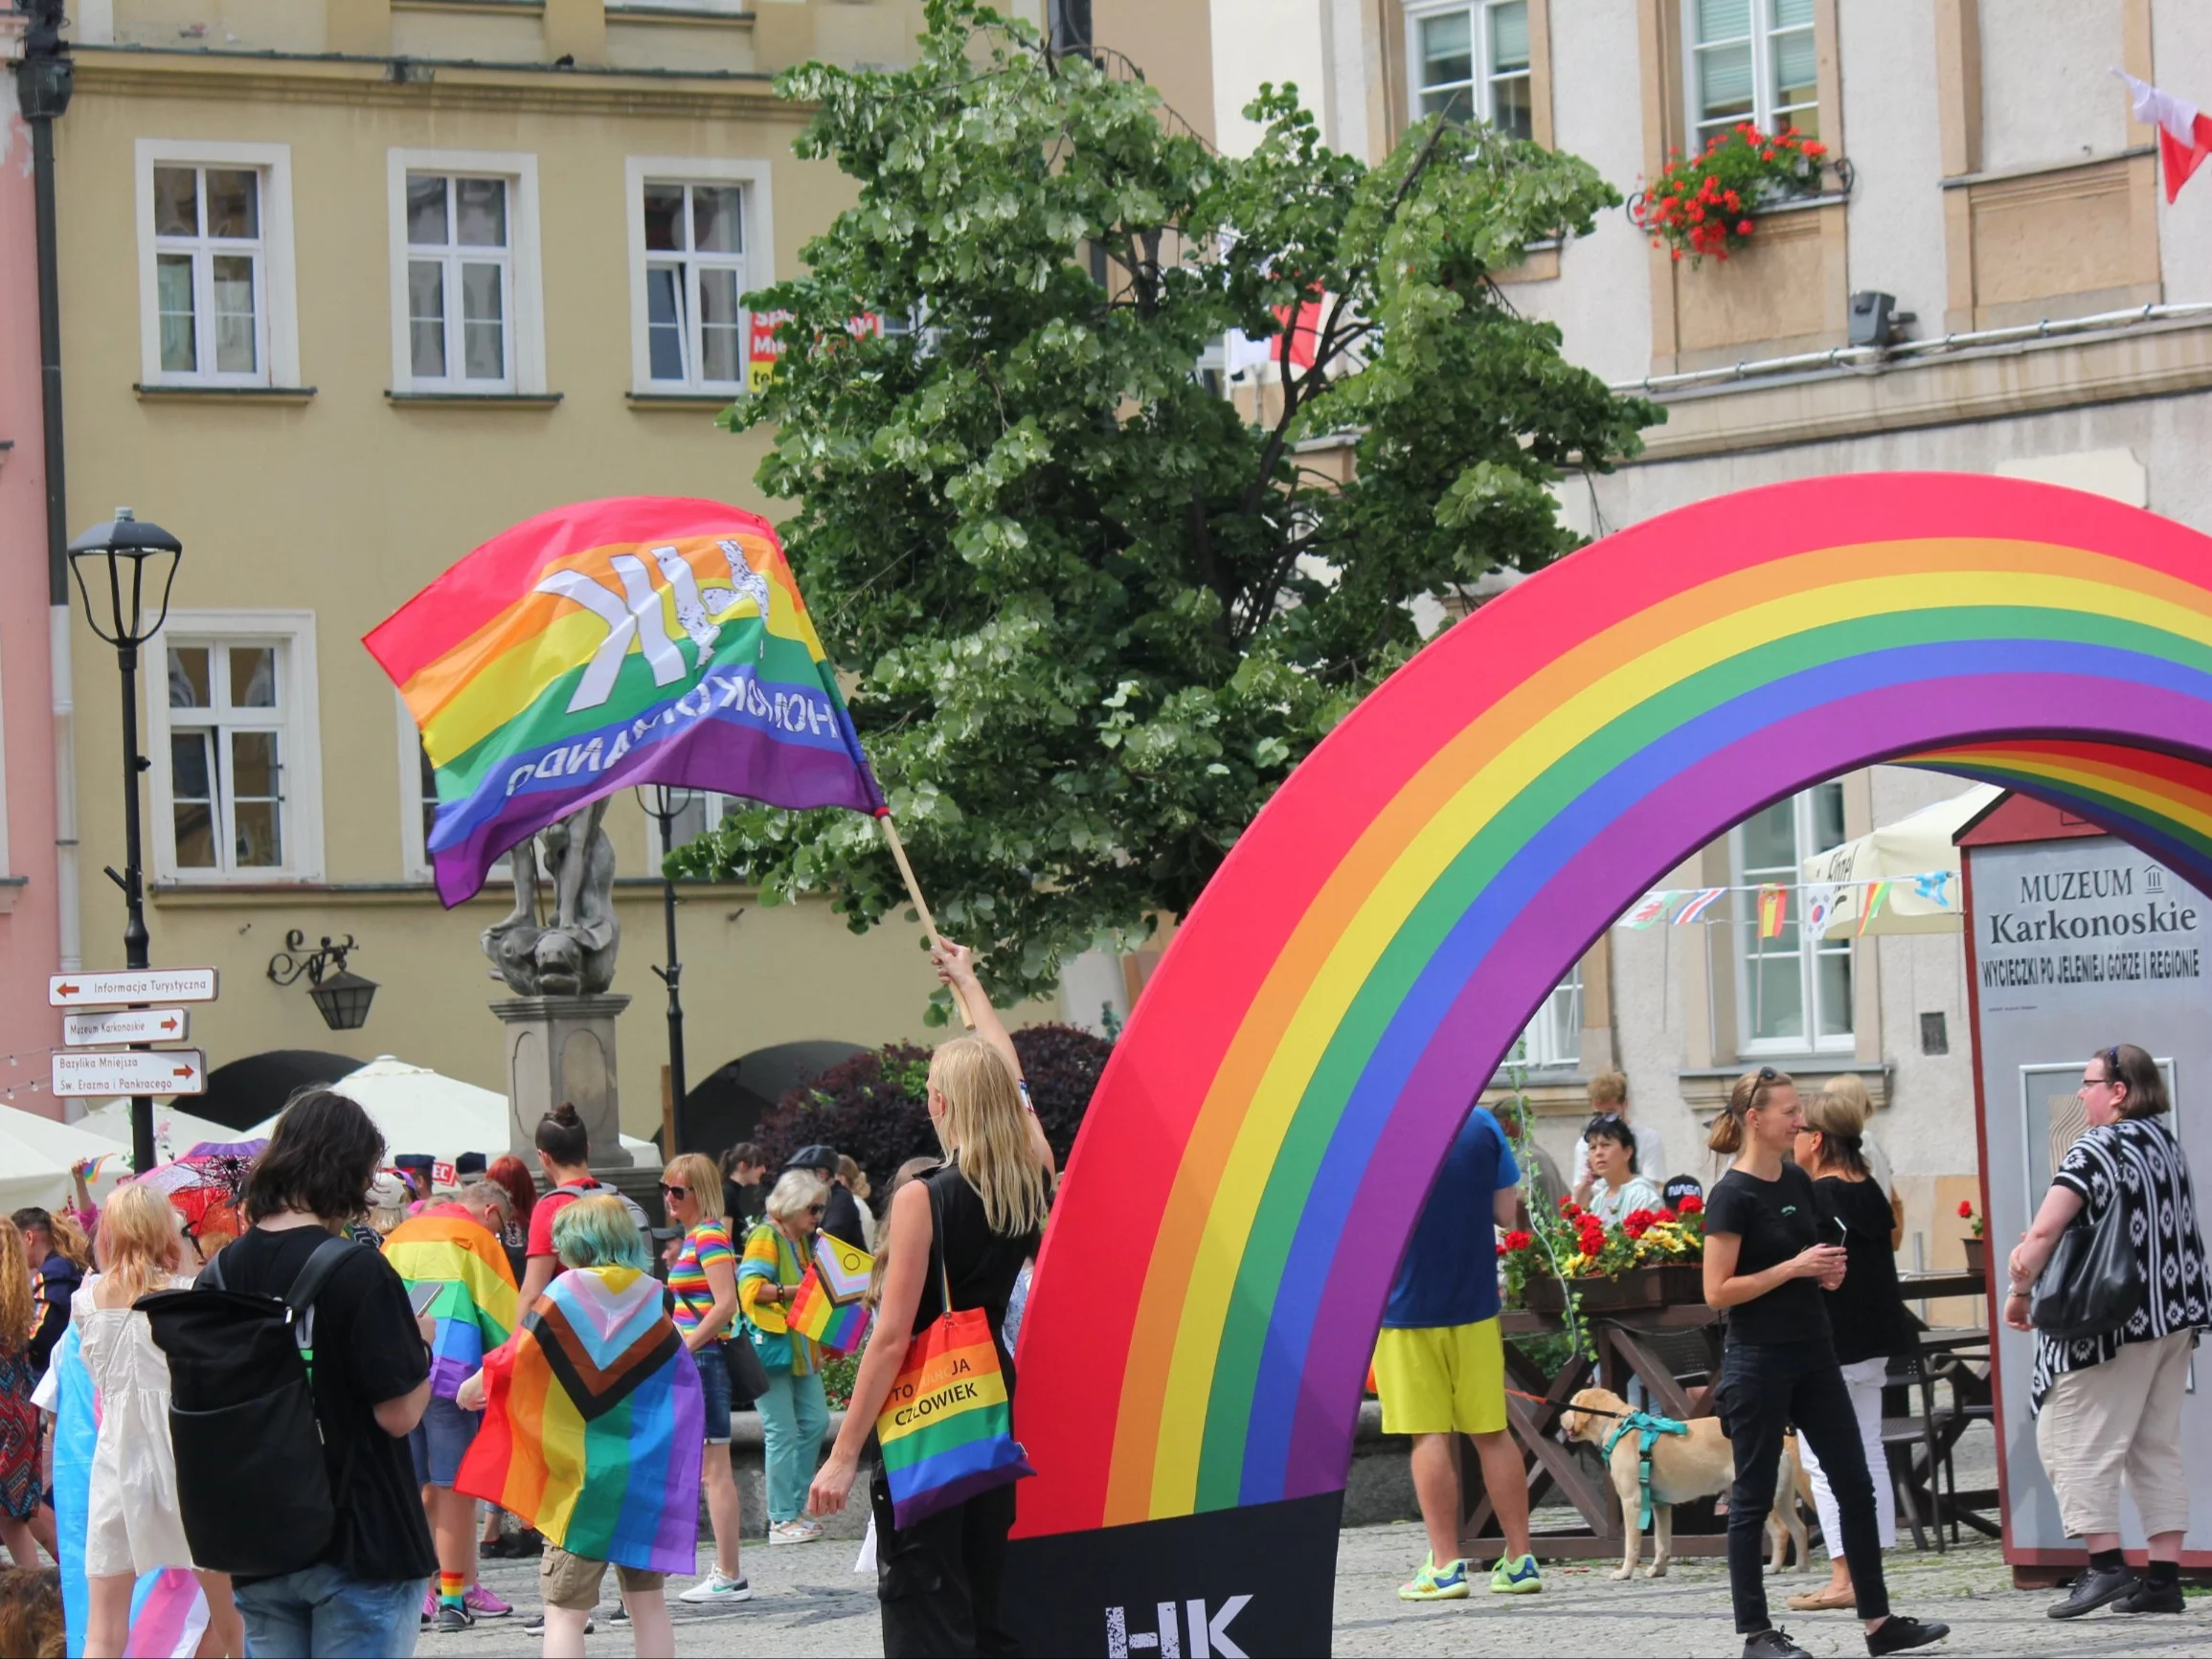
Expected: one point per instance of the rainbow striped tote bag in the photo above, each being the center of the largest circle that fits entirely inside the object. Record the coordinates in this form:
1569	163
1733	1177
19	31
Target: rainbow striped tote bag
946	1428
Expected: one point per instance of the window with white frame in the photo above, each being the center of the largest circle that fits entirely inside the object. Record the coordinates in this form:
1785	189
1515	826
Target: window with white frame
216	265
466	302
418	804
700	236
1552	1041
1469	59
1754	60
1794	993
233	729
694	281
460	282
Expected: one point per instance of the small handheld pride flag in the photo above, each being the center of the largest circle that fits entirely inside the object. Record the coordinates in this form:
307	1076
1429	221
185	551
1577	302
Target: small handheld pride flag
827	1305
643	639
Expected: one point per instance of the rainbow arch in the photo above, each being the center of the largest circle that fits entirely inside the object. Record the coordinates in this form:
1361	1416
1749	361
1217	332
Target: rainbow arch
1251	1168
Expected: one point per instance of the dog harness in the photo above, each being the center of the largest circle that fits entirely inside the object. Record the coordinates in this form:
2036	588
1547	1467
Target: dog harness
1647	1429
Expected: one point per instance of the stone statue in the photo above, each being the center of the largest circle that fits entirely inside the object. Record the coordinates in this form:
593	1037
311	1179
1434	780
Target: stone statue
573	952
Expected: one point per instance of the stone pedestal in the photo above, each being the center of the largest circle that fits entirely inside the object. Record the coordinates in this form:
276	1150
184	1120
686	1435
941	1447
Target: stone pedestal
563	1049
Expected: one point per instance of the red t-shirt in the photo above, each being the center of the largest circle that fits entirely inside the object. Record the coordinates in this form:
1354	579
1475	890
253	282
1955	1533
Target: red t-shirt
542	1213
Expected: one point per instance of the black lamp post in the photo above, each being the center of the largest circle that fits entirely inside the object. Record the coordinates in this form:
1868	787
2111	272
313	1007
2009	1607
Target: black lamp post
133	562
663	804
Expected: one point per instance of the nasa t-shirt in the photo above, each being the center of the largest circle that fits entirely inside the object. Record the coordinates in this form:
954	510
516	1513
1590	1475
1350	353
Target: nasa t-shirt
1776	1220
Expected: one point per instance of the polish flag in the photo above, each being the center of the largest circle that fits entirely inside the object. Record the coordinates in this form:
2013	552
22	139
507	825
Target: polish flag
2184	134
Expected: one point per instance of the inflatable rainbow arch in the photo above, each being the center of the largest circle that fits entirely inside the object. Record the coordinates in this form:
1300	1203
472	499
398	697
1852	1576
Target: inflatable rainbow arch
1252	1164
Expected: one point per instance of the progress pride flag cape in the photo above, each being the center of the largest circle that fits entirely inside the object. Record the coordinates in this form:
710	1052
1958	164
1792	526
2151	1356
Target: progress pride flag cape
593	1426
640	640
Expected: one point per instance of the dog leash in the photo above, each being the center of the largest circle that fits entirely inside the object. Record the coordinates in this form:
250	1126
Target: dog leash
1568	1406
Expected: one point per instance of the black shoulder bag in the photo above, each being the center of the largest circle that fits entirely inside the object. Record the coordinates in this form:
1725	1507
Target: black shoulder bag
2092	1284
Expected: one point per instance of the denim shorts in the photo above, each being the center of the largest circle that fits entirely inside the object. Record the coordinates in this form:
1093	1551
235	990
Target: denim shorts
441	1440
714	1392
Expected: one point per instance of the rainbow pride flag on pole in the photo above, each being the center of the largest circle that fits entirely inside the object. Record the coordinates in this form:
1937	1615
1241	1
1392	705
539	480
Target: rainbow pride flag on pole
640	640
593	1426
475	1305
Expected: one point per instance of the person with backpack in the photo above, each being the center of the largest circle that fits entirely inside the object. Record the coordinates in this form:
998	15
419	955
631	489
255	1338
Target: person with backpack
334	1565
564	1152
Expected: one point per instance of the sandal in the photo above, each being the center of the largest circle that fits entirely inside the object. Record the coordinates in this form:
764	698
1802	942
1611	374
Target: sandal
1826	1599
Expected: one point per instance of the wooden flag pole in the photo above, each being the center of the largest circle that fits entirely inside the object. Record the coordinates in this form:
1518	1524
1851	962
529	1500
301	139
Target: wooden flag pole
921	906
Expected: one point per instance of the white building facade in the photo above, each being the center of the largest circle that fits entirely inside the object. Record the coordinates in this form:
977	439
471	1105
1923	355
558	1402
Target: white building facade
2051	317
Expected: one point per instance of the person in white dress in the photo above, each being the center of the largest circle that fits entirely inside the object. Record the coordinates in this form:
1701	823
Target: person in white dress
133	1524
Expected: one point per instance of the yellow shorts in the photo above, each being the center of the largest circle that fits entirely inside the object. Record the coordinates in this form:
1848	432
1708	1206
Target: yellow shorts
1442	1378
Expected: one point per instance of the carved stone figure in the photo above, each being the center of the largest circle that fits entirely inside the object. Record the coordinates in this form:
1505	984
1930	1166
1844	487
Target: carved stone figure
571	953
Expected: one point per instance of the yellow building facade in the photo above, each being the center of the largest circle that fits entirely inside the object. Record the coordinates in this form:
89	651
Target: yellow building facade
347	287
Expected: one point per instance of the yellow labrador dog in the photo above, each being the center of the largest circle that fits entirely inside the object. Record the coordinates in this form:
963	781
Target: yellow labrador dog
1684	1466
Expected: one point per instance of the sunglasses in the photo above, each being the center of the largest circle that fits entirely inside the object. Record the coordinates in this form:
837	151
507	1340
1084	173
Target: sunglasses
675	1192
816	1209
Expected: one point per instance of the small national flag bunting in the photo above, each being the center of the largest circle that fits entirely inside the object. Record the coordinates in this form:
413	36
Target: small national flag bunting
1934	887
1774	910
1651	907
1699	902
1819	907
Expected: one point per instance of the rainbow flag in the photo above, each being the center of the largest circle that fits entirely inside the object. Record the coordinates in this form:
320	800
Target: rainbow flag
475	1306
643	639
594	1424
827	1305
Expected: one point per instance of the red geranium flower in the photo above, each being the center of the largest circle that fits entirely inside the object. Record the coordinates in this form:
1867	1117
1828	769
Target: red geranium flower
1966	1209
1691	1205
1517	1240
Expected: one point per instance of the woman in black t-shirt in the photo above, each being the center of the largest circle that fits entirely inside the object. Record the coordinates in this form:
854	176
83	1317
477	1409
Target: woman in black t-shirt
939	1580
1765	1267
1865	1313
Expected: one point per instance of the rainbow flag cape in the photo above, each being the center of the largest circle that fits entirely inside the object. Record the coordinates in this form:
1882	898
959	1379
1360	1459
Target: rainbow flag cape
827	1305
475	1306
168	1613
594	1424
643	639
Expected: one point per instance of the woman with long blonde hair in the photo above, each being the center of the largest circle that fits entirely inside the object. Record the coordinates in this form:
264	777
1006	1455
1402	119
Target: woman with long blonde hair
132	1521
991	1199
20	1486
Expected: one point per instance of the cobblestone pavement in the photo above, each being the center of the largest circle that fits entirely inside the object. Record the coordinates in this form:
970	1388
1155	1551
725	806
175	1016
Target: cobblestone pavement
807	1601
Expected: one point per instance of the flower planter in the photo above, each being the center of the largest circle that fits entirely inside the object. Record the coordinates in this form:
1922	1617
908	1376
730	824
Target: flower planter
1637	1287
1976	1255
1680	1283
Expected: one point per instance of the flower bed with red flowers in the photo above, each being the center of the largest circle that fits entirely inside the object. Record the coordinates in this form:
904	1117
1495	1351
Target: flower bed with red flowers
1705	203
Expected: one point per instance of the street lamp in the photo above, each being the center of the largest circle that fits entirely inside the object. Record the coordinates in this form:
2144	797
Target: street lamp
663	804
340	996
130	560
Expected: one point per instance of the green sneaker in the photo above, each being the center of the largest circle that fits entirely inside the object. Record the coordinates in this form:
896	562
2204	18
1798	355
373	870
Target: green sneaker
1435	1584
1516	1578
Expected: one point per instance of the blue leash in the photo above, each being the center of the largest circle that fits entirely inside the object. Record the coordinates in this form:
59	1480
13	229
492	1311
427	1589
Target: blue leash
1647	1429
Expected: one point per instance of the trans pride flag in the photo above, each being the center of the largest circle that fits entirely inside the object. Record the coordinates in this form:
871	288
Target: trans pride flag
640	640
475	1305
593	1426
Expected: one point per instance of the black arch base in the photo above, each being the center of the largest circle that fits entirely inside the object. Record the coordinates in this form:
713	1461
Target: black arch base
1257	1580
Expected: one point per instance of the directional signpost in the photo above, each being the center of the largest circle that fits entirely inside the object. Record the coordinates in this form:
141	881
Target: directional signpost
127	1026
131	1071
138	1071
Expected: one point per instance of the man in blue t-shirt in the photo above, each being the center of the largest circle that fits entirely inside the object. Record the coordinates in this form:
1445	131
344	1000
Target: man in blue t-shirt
1441	1362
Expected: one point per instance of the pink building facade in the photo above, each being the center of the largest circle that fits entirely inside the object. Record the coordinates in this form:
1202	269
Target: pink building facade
30	889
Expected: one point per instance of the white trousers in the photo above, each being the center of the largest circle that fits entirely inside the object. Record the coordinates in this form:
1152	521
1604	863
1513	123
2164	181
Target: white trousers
1862	1378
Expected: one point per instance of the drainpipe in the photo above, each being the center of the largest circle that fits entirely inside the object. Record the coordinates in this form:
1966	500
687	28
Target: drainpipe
43	84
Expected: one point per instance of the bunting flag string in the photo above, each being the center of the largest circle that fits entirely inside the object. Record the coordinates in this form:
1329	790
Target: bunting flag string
1819	902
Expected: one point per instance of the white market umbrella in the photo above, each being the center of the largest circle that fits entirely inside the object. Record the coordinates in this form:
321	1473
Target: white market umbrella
61	1144
422	1110
1916	855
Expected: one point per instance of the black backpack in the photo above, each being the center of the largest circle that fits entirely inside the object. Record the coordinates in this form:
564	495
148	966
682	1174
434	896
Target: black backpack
252	1487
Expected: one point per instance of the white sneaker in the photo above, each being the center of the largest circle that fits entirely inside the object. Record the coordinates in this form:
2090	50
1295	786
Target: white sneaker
715	1587
795	1533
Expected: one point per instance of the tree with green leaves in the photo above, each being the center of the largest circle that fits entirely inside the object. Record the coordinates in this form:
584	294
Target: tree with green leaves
1094	610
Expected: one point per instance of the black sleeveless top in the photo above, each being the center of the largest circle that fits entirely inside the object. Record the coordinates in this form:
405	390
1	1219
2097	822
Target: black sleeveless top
981	1264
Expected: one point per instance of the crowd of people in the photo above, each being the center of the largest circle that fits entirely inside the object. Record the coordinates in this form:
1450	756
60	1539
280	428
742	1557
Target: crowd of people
449	1347
1800	1232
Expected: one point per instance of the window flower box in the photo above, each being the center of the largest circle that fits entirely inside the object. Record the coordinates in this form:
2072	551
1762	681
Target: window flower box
1709	203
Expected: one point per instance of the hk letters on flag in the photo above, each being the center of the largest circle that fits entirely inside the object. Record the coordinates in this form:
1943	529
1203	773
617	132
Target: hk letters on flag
637	640
594	1424
827	1306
